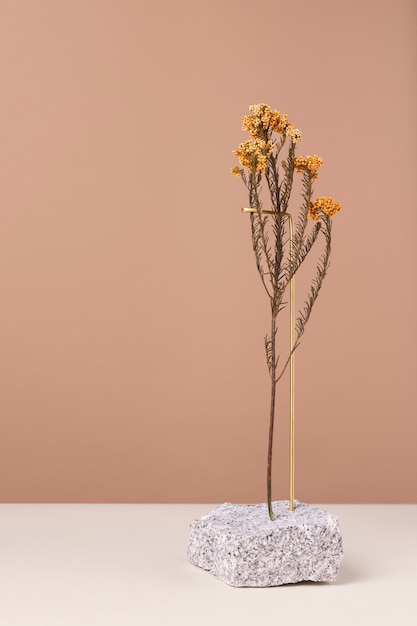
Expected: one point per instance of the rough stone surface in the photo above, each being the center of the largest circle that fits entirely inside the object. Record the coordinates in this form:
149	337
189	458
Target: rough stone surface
242	547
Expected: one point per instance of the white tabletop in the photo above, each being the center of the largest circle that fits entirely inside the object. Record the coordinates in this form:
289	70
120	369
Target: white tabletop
126	564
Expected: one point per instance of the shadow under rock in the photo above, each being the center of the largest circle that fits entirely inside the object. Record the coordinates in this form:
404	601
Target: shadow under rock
349	573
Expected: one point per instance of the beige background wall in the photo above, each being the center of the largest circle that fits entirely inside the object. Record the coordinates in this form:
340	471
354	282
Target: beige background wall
131	314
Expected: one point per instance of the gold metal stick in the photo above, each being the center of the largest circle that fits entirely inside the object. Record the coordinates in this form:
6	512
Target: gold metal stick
292	362
292	337
247	210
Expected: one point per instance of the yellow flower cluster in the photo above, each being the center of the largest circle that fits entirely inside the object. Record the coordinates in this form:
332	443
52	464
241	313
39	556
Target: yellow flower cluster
235	171
308	163
253	154
292	132
327	205
263	118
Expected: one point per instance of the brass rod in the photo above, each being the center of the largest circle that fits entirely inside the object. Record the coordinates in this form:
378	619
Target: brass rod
247	210
292	362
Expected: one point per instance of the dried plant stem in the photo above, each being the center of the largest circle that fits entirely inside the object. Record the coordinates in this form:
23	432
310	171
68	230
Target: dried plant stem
280	244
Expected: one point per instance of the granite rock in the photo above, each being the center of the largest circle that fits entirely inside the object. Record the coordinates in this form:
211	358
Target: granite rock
241	546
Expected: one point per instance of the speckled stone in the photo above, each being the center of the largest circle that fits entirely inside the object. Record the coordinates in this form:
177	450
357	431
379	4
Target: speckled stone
242	547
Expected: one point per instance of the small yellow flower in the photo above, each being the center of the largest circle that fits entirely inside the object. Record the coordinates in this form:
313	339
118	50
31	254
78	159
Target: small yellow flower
253	154
294	133
326	205
262	120
235	171
278	122
252	125
308	163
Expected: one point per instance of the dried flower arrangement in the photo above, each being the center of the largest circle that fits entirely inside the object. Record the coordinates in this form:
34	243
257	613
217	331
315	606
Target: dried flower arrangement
280	243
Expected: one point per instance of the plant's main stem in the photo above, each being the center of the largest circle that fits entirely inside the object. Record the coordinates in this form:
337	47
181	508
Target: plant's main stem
275	299
274	379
